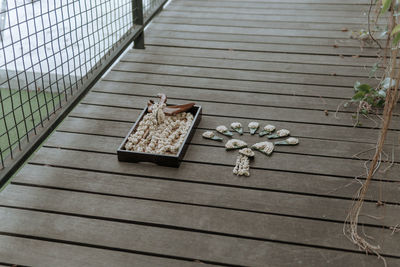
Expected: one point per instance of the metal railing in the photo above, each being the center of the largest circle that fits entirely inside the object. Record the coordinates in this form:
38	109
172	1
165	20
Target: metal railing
51	53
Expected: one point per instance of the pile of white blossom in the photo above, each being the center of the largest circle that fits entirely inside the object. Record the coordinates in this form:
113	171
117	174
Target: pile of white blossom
160	134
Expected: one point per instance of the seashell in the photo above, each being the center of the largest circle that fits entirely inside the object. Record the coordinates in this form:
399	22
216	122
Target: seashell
279	134
247	152
235	144
211	135
237	126
253	127
291	141
268	129
264	147
224	130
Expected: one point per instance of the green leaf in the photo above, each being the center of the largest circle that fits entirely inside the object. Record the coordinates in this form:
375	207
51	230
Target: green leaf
395	30
364	88
396	39
385	5
380	103
358	96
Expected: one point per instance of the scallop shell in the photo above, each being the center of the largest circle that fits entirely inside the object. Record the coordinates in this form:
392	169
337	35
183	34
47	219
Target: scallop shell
237	126
253	127
268	129
291	141
235	144
211	135
224	130
264	147
279	134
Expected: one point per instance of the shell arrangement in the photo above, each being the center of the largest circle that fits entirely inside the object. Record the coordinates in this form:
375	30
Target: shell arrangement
242	167
160	134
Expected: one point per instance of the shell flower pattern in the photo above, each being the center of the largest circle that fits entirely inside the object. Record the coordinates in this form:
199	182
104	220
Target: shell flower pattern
268	129
211	135
253	127
224	130
279	134
242	166
235	144
237	126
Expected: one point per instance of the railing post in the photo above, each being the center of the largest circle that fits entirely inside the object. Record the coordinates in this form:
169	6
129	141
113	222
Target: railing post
137	7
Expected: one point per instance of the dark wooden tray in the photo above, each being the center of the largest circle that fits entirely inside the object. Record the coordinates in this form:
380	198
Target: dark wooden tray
165	160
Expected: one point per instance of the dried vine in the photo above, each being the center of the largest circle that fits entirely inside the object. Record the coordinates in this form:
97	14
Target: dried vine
392	74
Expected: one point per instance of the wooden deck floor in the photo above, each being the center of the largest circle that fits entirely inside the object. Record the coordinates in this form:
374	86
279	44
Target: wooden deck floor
273	61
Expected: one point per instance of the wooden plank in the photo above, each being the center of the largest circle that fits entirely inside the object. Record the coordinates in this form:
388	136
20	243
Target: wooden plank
300	7
350	21
256	56
217	21
181	216
32	252
324	186
337	2
282	12
243	75
260	39
328	132
228	85
177	189
260	47
217	155
241	111
239	98
310	146
185	244
311	20
253	31
247	65
284	203
277	181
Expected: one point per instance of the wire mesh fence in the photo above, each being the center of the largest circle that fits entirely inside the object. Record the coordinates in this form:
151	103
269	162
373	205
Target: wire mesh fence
48	49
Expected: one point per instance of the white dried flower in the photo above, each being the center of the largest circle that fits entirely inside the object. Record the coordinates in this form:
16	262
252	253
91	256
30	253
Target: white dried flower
292	141
236	125
283	133
157	133
269	128
235	144
208	134
254	125
264	147
222	128
247	152
242	166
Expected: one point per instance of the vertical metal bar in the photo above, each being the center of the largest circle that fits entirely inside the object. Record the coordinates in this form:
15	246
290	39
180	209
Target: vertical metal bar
137	10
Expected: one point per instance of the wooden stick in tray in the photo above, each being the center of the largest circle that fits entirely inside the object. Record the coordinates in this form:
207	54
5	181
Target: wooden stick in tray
169	110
